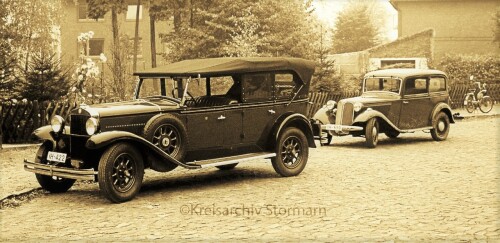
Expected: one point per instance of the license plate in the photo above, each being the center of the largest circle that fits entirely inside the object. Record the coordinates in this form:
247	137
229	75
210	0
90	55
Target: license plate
333	127
56	157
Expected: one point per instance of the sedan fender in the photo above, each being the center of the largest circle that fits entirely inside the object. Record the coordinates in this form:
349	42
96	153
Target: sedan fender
105	139
369	114
444	108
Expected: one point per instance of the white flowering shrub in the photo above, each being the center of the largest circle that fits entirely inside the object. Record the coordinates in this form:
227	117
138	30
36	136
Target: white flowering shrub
87	70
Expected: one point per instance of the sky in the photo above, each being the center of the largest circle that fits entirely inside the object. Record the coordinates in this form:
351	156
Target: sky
327	11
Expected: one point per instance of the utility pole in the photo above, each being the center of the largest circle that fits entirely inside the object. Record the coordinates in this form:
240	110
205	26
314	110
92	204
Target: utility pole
136	39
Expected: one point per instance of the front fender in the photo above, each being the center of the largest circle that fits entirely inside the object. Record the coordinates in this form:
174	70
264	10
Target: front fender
369	114
105	139
324	115
45	133
445	108
297	120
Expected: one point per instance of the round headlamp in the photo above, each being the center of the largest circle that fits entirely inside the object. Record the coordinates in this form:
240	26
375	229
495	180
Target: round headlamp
358	106
91	126
57	123
330	104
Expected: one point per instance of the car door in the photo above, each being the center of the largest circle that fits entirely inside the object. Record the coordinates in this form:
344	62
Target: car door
257	106
205	129
416	103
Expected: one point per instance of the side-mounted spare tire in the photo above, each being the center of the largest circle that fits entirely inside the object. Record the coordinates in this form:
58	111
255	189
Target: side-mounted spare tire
168	133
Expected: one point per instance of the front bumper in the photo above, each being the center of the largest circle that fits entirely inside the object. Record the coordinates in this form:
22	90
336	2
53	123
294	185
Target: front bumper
340	128
63	172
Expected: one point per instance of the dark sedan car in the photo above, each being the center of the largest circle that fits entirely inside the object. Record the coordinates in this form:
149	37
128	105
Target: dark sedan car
393	101
193	114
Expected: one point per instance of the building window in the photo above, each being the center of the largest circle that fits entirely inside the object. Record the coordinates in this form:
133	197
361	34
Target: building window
132	11
96	47
131	49
83	11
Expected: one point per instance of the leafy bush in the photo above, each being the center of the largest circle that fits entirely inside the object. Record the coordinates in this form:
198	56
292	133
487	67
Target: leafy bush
460	67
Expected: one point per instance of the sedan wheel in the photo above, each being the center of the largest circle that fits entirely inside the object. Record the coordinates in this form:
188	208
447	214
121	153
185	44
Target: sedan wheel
441	127
371	133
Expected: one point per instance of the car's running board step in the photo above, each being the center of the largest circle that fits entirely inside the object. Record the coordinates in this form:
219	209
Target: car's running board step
232	159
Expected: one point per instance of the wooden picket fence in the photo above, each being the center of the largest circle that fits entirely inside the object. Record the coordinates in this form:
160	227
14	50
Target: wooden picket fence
318	99
18	119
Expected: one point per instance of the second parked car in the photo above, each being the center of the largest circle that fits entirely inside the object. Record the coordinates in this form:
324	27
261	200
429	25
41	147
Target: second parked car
393	101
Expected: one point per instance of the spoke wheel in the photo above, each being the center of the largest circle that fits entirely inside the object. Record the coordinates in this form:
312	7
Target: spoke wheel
486	104
168	133
121	171
51	183
292	152
167	137
441	127
124	168
470	107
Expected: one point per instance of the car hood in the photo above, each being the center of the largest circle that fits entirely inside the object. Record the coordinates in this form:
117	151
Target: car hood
129	108
372	98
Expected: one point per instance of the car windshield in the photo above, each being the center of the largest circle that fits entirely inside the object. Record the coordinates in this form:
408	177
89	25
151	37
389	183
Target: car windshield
382	84
156	88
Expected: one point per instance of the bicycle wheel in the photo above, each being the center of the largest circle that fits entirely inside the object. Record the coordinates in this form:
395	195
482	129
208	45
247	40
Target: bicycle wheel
470	104
486	104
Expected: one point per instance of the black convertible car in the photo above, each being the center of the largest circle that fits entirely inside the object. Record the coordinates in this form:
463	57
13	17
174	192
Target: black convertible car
193	114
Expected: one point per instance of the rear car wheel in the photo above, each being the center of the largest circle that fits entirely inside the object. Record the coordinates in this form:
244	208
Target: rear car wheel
392	133
227	167
329	138
371	133
486	104
121	170
441	127
169	134
51	183
292	152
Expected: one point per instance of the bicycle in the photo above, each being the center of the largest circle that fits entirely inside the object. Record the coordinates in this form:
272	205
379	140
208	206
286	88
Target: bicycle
477	98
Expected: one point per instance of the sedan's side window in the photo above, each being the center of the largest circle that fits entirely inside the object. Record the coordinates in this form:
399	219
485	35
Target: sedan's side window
416	86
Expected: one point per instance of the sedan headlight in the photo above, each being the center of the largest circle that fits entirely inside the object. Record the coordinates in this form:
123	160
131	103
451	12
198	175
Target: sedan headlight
330	104
91	126
358	106
57	123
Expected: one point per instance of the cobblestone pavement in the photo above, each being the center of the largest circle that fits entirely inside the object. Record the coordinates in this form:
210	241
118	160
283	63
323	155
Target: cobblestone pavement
411	188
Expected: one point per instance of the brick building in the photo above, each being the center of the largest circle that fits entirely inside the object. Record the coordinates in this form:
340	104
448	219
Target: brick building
75	20
461	26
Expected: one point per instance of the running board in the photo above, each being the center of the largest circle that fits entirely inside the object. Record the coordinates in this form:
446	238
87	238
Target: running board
232	159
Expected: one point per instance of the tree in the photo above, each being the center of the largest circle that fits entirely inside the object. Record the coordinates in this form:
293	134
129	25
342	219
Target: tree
496	29
354	30
325	78
264	27
23	23
45	79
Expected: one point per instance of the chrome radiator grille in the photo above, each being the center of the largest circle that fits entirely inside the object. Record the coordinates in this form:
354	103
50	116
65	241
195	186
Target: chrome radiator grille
345	113
78	124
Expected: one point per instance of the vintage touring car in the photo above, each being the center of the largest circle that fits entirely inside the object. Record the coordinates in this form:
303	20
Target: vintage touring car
193	114
393	101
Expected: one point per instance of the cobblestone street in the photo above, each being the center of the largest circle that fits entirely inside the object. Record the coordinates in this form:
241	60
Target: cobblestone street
410	188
